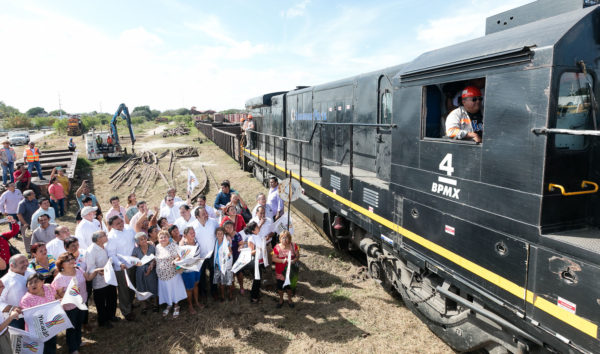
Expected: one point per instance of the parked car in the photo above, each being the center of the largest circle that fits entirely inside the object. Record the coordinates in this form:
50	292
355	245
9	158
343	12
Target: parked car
18	137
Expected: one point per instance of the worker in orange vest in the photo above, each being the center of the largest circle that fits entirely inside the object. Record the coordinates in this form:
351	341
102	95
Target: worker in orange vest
31	157
109	140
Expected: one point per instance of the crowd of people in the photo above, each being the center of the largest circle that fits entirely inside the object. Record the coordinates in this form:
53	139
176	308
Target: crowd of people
220	234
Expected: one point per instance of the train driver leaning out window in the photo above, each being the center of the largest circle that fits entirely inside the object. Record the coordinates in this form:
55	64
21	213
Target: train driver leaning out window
465	122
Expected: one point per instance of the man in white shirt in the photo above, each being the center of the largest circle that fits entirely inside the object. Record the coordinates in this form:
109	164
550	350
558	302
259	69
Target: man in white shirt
15	286
202	204
56	247
9	201
273	199
142	208
121	241
204	228
185	219
170	193
86	227
264	223
261	200
171	210
105	296
44	209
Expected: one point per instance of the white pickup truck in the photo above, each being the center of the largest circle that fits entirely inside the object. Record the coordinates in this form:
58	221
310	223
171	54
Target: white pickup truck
18	137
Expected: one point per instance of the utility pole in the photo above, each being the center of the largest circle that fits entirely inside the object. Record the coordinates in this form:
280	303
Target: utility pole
59	106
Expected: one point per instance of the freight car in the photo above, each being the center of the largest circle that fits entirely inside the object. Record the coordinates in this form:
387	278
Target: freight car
495	245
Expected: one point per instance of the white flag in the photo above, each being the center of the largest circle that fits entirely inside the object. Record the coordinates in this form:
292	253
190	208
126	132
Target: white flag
140	295
147	259
287	272
47	320
189	260
73	295
129	261
109	274
244	258
192	181
23	343
281	224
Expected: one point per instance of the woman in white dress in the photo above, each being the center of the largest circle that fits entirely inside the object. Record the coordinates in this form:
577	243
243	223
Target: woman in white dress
170	284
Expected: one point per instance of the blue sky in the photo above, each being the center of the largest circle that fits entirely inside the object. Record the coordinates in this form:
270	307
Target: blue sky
212	55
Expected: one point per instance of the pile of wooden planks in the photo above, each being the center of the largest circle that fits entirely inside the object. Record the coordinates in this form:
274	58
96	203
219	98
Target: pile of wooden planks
142	172
180	130
187	152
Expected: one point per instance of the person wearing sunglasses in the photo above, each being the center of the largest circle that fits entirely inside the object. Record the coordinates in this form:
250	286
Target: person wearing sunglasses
465	122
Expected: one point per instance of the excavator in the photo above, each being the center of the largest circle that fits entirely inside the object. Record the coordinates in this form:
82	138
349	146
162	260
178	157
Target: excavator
106	144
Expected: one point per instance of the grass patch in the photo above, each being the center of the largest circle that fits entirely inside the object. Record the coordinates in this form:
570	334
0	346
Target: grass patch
100	161
340	294
83	164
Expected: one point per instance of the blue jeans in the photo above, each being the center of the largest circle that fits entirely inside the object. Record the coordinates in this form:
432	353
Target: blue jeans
38	168
8	169
59	207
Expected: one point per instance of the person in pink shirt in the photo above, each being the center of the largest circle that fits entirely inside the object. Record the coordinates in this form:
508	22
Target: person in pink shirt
57	196
68	269
117	209
37	294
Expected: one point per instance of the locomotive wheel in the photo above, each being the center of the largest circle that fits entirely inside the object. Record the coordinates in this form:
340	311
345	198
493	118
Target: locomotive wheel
459	331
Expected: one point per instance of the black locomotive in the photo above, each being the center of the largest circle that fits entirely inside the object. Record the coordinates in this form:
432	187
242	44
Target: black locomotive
495	245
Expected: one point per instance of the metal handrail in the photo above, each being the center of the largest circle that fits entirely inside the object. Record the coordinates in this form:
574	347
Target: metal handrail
310	140
584	184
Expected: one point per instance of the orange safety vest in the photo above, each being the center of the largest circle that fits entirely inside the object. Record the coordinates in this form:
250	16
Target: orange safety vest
33	156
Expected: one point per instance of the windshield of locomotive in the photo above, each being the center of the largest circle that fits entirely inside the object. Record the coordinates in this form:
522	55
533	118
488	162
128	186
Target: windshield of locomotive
574	109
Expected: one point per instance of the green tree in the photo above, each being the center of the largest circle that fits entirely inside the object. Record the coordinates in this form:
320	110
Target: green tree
35	111
39	122
90	122
142	111
57	113
18	121
182	111
7	111
104	118
60	125
231	110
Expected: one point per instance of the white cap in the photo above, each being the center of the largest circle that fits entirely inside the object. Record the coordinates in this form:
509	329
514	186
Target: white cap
88	209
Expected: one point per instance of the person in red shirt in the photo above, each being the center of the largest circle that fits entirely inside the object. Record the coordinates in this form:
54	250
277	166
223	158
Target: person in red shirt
280	258
23	180
4	245
237	219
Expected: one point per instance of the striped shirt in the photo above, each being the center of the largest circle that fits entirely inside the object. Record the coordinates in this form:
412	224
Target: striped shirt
45	272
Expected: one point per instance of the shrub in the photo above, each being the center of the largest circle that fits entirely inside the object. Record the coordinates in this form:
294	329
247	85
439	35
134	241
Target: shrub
18	121
60	125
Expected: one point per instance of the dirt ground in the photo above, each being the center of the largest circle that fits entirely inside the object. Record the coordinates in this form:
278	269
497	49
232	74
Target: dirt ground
338	308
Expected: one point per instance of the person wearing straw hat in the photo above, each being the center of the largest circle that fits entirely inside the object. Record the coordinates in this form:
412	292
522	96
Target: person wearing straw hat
8	158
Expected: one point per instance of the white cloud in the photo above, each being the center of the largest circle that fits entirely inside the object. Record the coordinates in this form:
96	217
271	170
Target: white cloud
227	46
467	22
92	70
299	9
47	53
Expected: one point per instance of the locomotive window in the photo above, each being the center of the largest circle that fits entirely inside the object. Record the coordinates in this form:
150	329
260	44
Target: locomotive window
440	100
386	107
573	109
